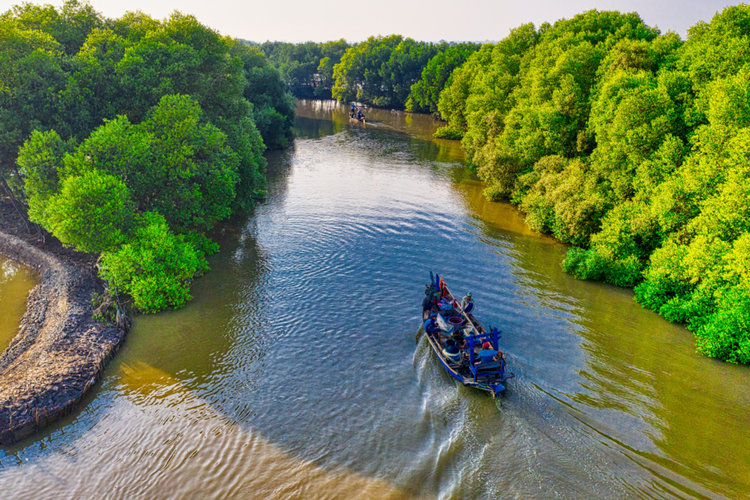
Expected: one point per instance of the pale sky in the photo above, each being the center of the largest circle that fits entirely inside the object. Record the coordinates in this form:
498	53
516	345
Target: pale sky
429	20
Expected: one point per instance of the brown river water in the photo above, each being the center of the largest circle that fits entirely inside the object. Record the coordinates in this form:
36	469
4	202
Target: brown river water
294	372
16	281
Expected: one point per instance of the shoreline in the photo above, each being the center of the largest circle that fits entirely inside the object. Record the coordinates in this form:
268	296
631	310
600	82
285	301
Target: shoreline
60	351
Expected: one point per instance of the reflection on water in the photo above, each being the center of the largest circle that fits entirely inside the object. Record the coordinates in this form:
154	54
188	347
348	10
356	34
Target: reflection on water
16	281
294	373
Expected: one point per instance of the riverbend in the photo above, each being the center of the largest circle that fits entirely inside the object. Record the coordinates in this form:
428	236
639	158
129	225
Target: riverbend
294	373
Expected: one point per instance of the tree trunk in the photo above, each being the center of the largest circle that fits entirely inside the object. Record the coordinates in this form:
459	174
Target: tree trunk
16	204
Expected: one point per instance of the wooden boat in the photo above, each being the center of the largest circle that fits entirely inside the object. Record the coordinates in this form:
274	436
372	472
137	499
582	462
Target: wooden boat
353	118
489	376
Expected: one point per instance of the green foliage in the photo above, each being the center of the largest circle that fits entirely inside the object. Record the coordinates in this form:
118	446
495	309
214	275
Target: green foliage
562	196
70	69
69	25
619	251
425	94
381	70
306	68
631	145
142	194
542	108
588	264
39	160
181	56
690	275
31	77
105	120
92	212
171	163
273	107
155	267
102	196
726	334
452	100
93	92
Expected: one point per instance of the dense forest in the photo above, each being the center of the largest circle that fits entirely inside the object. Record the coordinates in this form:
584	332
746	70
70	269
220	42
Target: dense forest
131	137
625	142
630	144
389	72
306	68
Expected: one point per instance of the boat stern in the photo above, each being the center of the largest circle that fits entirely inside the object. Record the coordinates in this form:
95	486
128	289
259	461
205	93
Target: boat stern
497	389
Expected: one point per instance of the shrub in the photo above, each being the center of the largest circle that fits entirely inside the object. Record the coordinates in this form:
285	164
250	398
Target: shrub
448	132
92	212
155	267
726	335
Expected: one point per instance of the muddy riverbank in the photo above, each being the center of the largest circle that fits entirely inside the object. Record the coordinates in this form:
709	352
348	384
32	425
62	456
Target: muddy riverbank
60	351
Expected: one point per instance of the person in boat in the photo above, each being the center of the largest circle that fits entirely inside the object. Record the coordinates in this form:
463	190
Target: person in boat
452	351
430	325
430	301
430	305
488	347
360	116
446	308
427	304
443	288
467	303
458	338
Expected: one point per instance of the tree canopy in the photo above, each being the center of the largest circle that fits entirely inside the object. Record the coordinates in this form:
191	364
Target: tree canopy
170	171
116	130
425	93
631	145
307	68
381	70
133	136
273	106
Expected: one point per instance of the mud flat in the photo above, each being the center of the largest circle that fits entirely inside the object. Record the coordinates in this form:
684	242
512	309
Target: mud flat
60	351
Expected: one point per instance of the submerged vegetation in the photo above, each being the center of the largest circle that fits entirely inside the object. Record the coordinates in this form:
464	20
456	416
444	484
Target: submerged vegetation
131	137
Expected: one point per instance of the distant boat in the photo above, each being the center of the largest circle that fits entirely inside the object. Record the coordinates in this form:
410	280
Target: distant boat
354	118
483	369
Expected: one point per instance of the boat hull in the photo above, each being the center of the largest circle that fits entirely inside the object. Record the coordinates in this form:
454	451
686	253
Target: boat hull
492	388
490	378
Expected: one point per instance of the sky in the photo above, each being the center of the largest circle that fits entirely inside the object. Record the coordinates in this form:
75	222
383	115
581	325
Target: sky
428	20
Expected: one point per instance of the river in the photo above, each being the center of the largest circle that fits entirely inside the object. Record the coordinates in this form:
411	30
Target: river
294	372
